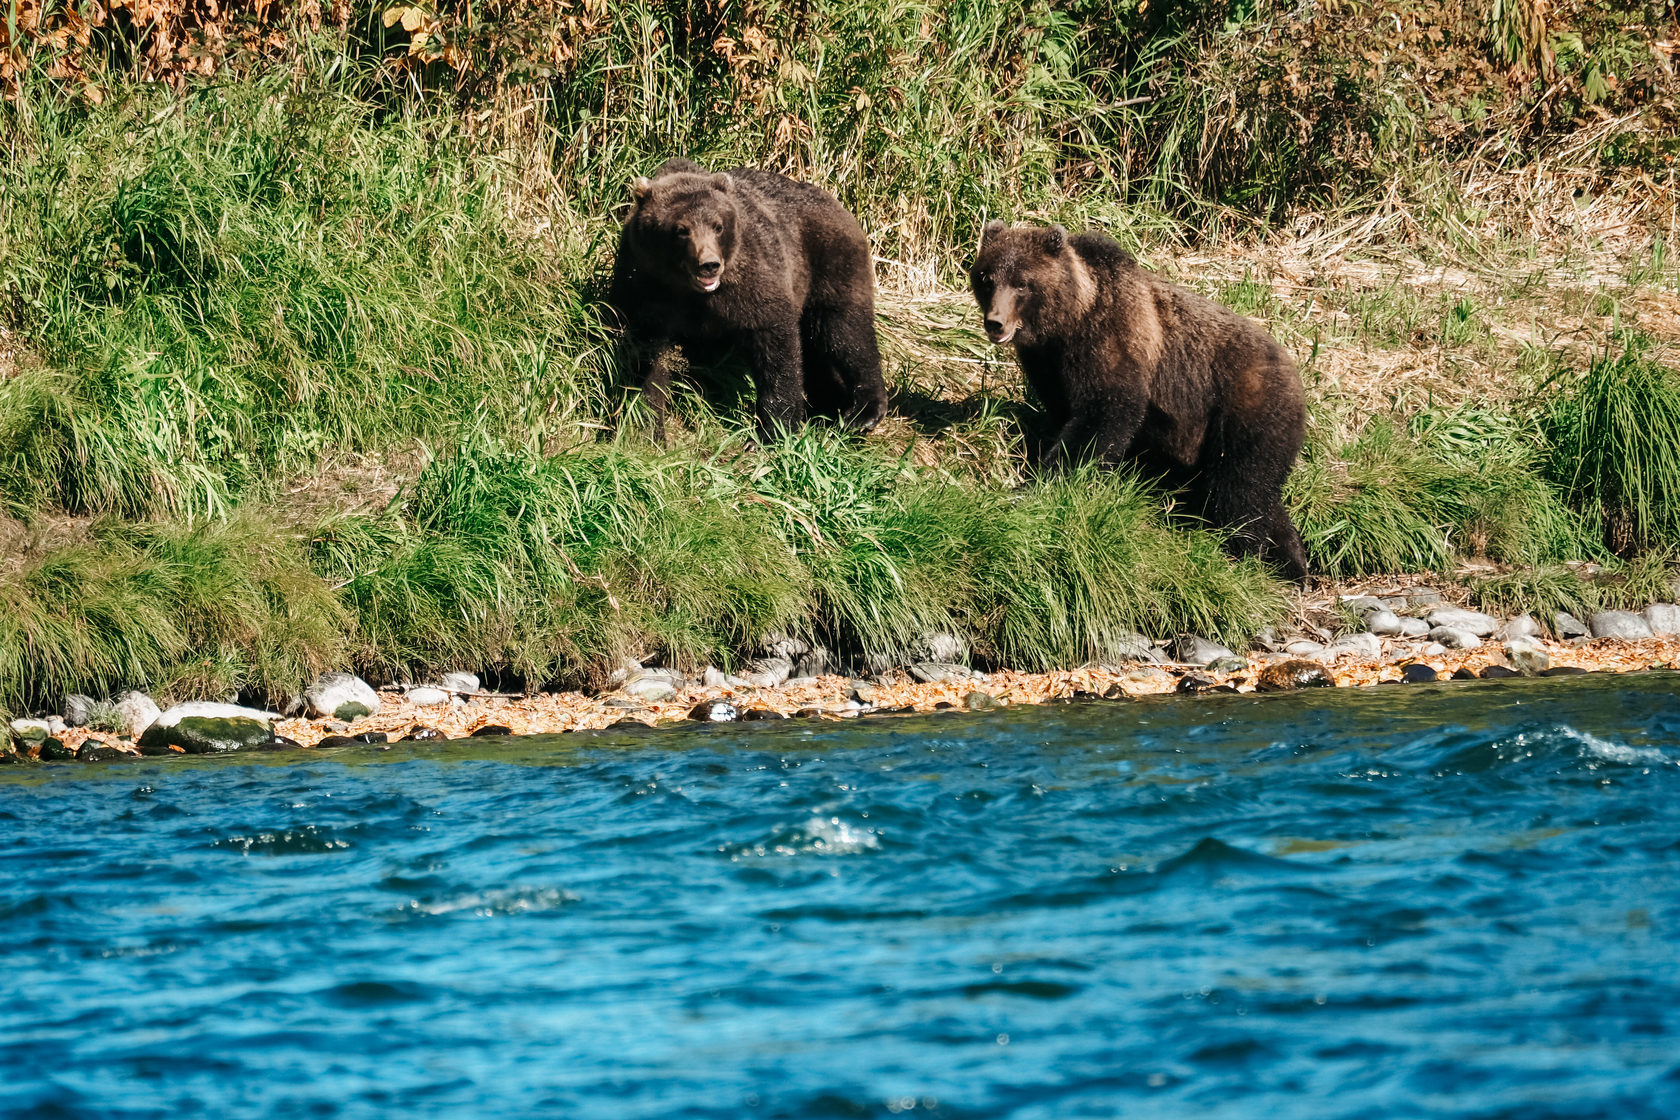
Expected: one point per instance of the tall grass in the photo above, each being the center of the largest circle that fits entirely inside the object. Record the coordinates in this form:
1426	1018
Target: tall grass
553	566
234	284
202	611
1615	439
1415	496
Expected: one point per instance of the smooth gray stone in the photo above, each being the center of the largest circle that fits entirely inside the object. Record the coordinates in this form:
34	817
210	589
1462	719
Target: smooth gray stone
1568	626
1363	604
1433	649
938	646
427	697
1453	638
78	709
135	712
1227	665
932	672
209	709
712	677
1456	618
1527	657
1413	628
1522	626
458	682
1195	650
30	730
1424	596
779	644
1618	624
206	735
1383	622
1364	645
1662	618
767	672
332	693
1135	647
1303	648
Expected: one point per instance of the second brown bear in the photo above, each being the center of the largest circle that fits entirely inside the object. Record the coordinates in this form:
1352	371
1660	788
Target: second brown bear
1132	368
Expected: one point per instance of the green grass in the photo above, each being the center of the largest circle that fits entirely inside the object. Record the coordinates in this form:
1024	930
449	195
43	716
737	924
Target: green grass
554	566
1615	445
1414	498
267	285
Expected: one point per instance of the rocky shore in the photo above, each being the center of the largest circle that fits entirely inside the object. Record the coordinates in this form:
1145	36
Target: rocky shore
1403	639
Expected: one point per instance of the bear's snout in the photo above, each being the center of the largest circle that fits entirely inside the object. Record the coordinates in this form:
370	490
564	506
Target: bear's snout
999	331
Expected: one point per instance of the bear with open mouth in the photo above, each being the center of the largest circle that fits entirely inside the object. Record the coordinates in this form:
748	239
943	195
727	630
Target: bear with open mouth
753	259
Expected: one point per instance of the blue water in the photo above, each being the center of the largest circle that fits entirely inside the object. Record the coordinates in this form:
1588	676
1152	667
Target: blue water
1443	901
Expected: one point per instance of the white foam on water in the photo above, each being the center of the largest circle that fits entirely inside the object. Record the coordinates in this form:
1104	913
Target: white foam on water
1594	747
489	904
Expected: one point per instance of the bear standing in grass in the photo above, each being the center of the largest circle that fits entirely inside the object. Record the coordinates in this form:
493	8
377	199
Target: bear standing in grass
1129	367
755	259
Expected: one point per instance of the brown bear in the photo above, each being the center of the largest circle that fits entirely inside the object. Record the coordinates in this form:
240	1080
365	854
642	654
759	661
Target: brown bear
754	259
1130	367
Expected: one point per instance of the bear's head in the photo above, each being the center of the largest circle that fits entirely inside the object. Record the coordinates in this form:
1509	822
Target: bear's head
1028	281
683	227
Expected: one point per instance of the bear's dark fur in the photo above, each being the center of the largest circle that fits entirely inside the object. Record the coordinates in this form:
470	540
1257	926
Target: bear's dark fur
1130	367
752	258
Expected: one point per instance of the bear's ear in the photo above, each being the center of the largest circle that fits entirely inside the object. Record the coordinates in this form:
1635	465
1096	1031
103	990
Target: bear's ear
640	187
721	181
1055	239
990	230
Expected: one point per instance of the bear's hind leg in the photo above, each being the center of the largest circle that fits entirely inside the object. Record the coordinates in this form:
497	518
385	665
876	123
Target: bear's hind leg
1244	495
825	393
847	336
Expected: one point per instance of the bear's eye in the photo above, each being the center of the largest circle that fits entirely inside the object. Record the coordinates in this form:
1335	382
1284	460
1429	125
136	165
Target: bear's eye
682	231
717	227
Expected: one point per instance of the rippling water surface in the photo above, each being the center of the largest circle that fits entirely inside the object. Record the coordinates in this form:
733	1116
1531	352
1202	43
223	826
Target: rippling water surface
1442	901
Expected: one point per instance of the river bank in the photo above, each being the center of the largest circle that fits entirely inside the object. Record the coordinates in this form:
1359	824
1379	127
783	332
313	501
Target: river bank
834	697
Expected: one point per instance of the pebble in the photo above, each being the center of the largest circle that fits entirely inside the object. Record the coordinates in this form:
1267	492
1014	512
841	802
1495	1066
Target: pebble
981	702
458	682
1463	675
712	677
1497	672
492	730
1527	656
1452	638
1363	604
1286	676
1522	626
1227	665
933	672
1192	649
135	713
1303	648
1433	649
426	697
1456	618
1383	622
1663	619
1424	597
715	711
340	695
1568	626
799	682
1618	624
1418	673
1366	645
78	709
1413	628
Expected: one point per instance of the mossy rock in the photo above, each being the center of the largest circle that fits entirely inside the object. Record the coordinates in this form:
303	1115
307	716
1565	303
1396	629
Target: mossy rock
206	735
54	750
351	709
